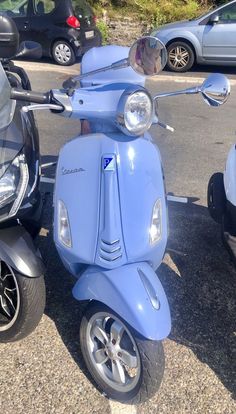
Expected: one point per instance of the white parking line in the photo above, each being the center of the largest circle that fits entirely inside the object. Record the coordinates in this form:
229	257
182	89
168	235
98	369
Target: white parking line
47	180
70	71
117	408
183	200
47	67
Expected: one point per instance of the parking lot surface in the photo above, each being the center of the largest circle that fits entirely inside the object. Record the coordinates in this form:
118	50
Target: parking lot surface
45	373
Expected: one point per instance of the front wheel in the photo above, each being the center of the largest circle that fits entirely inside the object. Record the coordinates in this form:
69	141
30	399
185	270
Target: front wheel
22	302
180	57
216	198
124	366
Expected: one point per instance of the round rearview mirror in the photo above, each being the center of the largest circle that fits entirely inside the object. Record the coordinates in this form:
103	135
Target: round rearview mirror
148	56
215	89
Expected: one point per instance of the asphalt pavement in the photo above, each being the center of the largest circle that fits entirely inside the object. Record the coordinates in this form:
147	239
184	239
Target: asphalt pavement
45	373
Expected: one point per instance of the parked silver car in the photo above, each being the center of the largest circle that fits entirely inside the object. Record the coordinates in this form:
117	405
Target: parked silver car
209	39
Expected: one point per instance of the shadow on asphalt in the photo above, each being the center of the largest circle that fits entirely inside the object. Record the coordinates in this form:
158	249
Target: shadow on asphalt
202	299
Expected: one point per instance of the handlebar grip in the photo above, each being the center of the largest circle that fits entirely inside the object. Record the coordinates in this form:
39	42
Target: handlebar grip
30	96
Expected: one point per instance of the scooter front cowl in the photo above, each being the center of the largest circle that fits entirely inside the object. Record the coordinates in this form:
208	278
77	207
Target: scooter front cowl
134	292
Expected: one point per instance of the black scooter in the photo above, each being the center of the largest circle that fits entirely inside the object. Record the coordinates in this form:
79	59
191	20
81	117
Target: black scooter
22	288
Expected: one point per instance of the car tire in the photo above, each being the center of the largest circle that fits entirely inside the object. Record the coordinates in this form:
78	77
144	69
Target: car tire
180	57
216	198
62	53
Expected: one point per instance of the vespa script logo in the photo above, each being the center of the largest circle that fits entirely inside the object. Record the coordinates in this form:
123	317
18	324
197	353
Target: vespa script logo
66	171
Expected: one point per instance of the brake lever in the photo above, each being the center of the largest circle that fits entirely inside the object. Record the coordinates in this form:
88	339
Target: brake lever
38	107
165	126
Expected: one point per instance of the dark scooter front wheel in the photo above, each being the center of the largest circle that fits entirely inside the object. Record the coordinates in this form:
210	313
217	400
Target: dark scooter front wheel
216	198
22	303
124	366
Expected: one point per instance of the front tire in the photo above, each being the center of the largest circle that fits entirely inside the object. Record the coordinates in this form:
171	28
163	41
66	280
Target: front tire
124	366
62	53
216	198
22	303
180	57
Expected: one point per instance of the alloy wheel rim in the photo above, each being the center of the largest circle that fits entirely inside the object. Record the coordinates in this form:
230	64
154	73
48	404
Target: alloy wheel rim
113	352
62	53
9	297
179	57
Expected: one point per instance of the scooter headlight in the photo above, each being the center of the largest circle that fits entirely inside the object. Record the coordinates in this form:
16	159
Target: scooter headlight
64	233
155	231
135	111
13	185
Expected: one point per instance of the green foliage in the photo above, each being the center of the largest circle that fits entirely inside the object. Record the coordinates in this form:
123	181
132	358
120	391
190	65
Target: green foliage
104	31
155	12
165	11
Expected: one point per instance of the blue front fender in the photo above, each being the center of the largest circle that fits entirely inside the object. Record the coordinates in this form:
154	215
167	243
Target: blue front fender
134	292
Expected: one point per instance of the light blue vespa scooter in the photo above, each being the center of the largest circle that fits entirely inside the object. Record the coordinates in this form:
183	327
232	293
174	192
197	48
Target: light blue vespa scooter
110	222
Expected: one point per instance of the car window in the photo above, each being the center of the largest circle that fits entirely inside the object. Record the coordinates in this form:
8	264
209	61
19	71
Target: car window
14	8
228	14
81	8
42	7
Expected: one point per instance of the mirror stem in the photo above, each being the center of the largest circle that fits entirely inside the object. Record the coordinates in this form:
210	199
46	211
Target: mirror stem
117	65
189	91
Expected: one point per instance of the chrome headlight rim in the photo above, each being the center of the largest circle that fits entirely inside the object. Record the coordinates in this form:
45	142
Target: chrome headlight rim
10	205
120	114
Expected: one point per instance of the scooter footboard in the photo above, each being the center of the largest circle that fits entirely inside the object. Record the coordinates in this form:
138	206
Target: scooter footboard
134	292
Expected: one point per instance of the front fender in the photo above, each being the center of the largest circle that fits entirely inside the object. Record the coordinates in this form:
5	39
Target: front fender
134	292
18	251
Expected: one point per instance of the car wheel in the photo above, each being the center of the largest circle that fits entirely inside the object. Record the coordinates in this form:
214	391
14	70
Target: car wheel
22	302
216	198
124	366
180	57
63	54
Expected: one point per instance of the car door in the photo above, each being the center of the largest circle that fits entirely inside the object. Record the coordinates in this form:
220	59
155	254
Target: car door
41	21
19	12
219	38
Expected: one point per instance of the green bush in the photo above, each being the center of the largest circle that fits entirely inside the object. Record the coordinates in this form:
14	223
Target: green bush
165	11
104	31
155	12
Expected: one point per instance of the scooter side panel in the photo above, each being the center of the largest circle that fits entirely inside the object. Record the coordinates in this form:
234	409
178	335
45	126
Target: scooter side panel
230	176
127	292
141	184
78	186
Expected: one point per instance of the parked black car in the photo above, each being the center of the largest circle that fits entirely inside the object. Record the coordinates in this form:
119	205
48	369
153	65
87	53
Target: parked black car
64	28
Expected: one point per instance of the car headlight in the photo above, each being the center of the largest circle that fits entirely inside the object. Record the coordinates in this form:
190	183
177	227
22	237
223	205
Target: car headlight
155	231
13	185
64	233
135	111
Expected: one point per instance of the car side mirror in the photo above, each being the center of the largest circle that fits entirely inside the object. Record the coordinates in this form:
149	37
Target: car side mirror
214	19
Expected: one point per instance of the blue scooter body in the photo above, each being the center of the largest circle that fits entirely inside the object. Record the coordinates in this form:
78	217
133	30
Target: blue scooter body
109	184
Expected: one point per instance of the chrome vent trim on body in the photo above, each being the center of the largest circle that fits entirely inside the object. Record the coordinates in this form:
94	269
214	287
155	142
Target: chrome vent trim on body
110	251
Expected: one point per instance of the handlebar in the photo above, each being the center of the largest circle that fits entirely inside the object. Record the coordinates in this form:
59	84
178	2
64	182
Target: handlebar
30	96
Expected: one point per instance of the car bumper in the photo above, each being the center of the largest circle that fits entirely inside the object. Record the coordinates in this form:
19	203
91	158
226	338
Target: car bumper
86	44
